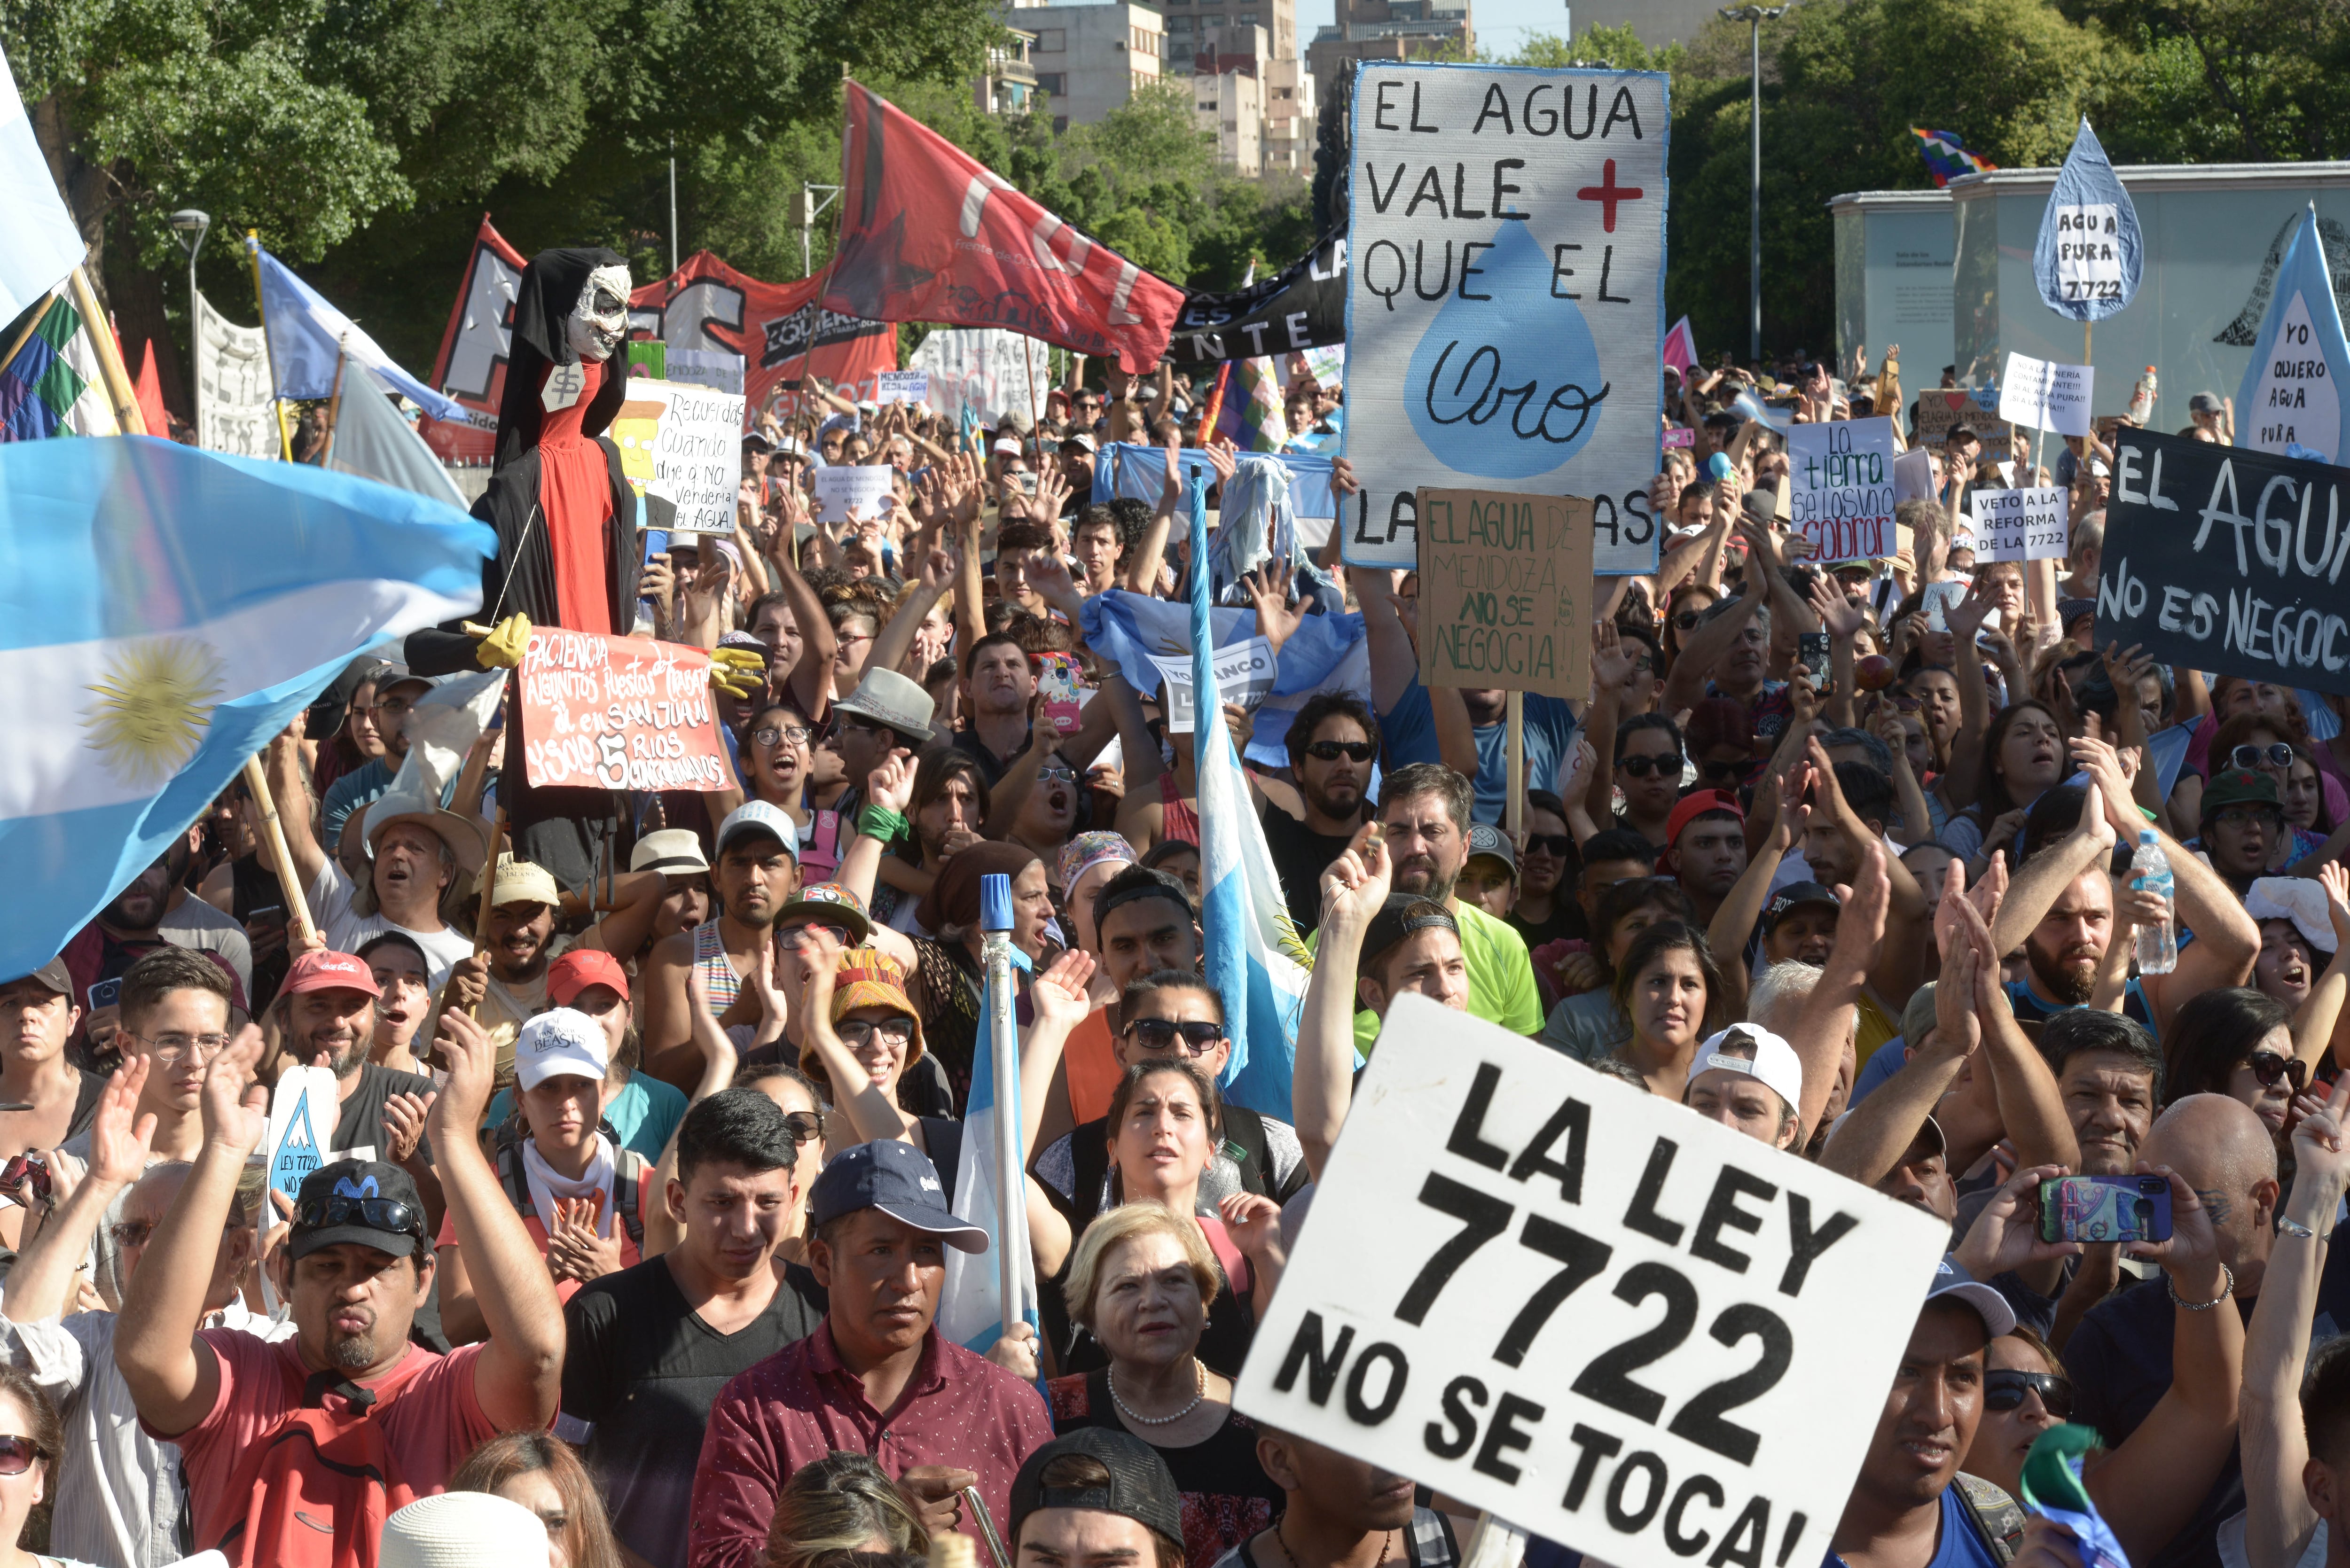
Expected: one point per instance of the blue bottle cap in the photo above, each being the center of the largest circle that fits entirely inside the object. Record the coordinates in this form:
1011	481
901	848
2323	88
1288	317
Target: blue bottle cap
995	902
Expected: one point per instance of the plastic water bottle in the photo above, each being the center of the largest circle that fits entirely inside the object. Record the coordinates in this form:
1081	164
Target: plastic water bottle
2142	396
2157	945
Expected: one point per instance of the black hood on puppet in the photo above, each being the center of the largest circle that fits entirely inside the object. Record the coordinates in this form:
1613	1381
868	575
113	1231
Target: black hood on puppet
544	299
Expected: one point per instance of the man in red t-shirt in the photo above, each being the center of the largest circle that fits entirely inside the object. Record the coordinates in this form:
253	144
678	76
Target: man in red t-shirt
356	1267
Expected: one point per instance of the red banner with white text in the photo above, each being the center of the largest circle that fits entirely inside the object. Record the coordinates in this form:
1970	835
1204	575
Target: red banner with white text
781	329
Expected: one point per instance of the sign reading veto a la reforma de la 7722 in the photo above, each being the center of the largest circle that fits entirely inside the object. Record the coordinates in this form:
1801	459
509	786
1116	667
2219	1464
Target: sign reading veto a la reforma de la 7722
2228	560
1591	1312
1505	297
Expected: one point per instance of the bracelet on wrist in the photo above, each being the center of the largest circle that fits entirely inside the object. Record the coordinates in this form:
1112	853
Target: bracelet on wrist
2226	1289
2294	1228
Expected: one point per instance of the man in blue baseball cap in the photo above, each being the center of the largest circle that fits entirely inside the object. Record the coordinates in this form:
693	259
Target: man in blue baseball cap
876	1378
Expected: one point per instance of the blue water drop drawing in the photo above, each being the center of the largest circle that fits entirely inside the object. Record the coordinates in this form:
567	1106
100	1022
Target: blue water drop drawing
1508	387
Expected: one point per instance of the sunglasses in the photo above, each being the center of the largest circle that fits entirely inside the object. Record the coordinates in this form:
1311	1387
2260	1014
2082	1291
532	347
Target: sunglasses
1686	620
1060	771
806	1126
2267	1068
1644	766
1721	770
2005	1390
798	936
1161	1034
1559	844
2276	754
374	1214
17	1455
1331	751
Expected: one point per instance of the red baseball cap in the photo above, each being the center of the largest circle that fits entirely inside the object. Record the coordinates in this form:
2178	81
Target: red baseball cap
580	968
1690	808
328	971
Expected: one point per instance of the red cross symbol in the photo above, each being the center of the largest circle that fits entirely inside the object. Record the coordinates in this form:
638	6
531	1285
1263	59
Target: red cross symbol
1609	194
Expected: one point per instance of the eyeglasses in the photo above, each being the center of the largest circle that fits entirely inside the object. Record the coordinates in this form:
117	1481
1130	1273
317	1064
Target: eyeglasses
129	1233
171	1047
1331	751
17	1455
376	1213
2004	1390
1721	770
1199	1038
2277	754
1056	772
806	1126
861	1031
394	705
2241	817
2267	1068
773	734
1559	844
799	935
1646	763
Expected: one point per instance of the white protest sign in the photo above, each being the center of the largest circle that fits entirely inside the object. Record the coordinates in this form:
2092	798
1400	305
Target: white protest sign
1913	476
1589	1311
2021	525
1841	495
2045	395
901	387
1245	674
2088	252
985	369
844	492
234	408
1504	304
683	443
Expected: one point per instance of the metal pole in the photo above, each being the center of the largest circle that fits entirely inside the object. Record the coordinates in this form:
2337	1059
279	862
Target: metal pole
1755	229
672	203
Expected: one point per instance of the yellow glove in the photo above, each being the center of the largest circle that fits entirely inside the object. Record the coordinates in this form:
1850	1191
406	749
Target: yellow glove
503	644
737	672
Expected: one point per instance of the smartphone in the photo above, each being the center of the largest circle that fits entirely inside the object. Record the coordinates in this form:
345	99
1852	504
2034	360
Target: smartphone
1057	684
1027	482
270	915
1813	652
2106	1209
105	993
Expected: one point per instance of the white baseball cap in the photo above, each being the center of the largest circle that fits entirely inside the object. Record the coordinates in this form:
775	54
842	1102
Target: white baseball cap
560	1043
461	1530
1775	1060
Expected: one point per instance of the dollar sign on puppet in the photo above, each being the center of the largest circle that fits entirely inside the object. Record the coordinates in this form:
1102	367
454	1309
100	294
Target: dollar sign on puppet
1505	383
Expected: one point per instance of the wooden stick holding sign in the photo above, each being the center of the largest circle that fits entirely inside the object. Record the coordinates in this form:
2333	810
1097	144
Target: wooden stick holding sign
1515	816
281	860
489	891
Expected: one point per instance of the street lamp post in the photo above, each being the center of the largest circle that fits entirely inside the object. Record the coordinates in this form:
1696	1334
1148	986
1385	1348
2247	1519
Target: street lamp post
190	226
1754	17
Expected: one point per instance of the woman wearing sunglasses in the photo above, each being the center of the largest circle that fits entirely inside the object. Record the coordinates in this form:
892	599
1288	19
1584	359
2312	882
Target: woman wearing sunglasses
30	1439
2025	1392
863	1033
2238	1042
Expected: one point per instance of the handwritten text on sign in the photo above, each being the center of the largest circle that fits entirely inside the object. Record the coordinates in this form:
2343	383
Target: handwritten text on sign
683	443
2021	525
2228	560
619	713
2046	395
1597	1314
1506	250
1842	492
1505	587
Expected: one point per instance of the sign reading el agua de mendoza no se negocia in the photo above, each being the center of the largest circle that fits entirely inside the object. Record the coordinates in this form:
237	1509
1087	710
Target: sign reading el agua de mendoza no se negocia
1504	302
2228	560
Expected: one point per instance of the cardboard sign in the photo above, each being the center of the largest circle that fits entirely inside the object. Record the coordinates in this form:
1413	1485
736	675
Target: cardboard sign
2227	560
844	494
1590	1312
1841	487
2045	395
1245	672
683	443
1505	305
2033	524
1940	409
1505	591
901	387
619	713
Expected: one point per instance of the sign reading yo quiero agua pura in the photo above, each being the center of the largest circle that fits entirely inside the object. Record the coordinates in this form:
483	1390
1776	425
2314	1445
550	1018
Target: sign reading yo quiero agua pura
1505	297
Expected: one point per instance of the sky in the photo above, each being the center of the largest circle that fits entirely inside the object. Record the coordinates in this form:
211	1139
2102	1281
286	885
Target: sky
1501	24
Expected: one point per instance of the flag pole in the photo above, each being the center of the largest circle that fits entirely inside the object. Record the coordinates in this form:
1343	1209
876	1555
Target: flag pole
1515	706
273	845
284	438
119	390
1003	1044
489	889
335	403
31	325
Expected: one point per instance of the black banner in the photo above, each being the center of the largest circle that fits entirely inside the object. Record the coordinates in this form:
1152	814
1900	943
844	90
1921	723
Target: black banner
1302	306
2227	560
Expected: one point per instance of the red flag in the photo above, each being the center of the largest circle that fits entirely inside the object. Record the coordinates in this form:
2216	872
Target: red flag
779	329
149	388
1680	349
928	233
471	365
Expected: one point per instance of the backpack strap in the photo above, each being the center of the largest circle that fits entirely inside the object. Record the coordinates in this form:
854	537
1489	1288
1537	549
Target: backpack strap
631	1173
321	1384
1997	1517
512	1176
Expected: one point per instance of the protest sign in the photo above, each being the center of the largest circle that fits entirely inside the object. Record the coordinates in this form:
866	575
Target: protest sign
1504	306
901	387
2227	560
1245	674
844	494
302	1109
2087	260
235	412
984	371
2290	397
2032	525
1940	410
1515	1355
619	713
683	443
1913	476
1504	591
1841	489
1304	306
2045	395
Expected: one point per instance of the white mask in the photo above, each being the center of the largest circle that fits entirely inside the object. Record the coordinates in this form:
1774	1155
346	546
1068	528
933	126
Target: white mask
599	323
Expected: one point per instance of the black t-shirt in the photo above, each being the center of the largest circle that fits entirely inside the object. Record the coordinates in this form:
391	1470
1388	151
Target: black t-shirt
991	767
1226	1495
1300	855
362	1119
639	1376
1566	923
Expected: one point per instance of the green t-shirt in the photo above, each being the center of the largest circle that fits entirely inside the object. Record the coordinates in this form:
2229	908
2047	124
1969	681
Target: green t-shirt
1500	978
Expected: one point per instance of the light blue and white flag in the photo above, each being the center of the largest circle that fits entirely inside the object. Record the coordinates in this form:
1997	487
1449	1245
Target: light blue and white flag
1326	653
308	336
2088	259
163	612
1255	956
1139	472
41	243
2291	394
971	1301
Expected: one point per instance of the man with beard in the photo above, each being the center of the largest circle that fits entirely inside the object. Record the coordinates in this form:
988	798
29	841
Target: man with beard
1424	818
1705	849
327	1010
1333	742
517	944
758	870
2242	823
358	1265
140	919
1728	652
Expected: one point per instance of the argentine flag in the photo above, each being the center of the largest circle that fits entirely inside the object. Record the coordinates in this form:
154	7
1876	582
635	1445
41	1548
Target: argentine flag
1254	958
309	338
163	612
971	1301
